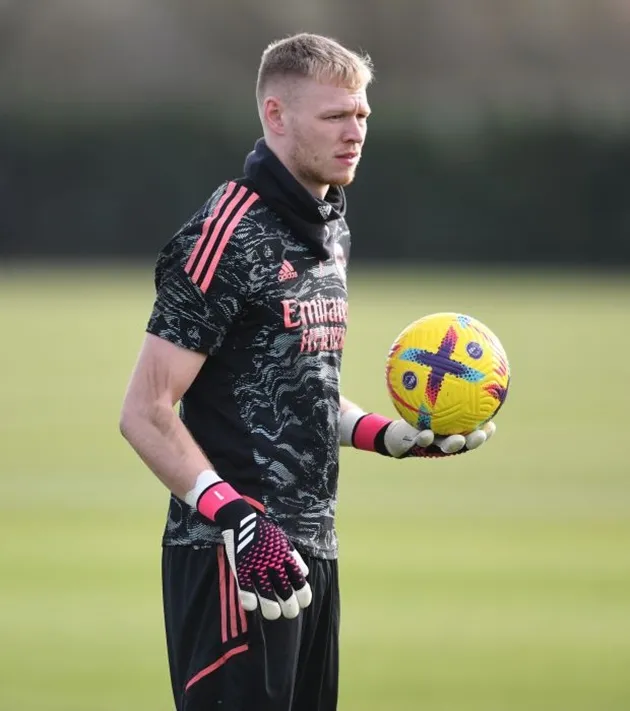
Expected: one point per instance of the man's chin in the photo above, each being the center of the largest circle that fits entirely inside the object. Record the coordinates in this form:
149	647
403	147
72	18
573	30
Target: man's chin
343	179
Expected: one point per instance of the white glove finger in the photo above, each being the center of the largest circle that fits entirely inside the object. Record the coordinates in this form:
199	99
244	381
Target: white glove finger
424	438
289	608
400	437
249	600
451	444
489	428
269	609
475	439
300	562
304	596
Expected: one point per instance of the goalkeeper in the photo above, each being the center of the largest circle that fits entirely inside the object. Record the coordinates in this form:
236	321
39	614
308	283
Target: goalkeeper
246	334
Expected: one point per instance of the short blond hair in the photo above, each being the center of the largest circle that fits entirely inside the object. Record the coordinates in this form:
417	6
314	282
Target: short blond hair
316	57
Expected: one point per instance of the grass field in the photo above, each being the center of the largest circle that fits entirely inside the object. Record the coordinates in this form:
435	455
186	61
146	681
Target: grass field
498	581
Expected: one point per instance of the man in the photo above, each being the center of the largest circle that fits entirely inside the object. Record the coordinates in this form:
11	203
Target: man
247	333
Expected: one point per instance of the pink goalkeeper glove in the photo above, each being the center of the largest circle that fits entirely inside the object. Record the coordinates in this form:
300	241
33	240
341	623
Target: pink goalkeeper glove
264	562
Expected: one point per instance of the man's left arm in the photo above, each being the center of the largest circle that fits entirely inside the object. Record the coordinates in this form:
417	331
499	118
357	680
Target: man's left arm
395	438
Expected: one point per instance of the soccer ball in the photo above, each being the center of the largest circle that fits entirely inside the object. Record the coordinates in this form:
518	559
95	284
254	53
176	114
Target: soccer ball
447	372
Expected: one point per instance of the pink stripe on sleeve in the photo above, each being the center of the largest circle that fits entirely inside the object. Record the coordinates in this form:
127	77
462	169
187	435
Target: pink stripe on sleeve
206	226
215	233
228	233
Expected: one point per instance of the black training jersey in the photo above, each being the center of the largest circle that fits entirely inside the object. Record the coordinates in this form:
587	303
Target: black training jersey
236	282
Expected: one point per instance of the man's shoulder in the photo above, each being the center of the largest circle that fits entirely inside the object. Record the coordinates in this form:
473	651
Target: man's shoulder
228	225
235	203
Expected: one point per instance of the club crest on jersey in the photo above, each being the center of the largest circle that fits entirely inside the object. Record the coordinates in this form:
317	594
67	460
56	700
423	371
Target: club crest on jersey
324	210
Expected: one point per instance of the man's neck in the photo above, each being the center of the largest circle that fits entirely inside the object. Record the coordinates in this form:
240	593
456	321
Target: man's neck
316	189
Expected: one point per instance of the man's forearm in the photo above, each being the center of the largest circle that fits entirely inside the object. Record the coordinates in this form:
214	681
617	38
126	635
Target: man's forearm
350	414
165	445
346	405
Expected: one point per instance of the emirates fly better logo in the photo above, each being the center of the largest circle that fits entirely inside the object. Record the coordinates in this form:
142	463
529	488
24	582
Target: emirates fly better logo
322	322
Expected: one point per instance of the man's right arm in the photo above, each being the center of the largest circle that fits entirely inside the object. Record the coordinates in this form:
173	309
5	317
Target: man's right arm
163	373
266	566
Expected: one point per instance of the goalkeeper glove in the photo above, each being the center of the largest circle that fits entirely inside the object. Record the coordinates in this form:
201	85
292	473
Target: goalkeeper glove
266	566
396	438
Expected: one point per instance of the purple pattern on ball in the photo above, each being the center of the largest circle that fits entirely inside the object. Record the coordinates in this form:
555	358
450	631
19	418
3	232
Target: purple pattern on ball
441	364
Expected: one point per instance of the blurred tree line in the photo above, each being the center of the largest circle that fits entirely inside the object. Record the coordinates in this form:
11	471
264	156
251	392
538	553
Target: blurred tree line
499	133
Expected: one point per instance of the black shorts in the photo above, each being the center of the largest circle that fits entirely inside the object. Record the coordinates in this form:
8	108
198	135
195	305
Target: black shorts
224	659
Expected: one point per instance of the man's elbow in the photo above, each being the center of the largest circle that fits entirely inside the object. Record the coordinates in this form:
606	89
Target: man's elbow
137	417
130	420
124	423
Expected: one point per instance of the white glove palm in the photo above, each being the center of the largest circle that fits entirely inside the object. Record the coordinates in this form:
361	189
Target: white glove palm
403	440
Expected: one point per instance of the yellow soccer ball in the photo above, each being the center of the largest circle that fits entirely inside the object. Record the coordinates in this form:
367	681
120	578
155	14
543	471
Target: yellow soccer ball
447	372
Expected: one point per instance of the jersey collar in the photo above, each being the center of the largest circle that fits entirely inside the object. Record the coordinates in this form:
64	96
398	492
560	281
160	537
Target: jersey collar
305	214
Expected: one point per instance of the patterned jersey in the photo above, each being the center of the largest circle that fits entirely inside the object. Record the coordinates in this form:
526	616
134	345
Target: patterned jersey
267	302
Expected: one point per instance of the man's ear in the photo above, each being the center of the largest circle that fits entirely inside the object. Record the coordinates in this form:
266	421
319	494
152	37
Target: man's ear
274	115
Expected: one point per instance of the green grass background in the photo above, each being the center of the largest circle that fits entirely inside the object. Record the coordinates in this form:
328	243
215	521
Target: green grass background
497	581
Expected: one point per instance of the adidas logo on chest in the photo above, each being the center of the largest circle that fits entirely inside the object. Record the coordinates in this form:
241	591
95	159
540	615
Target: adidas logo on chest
286	271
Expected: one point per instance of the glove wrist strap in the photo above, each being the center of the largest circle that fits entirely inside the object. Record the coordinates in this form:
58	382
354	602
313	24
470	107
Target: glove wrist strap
368	432
211	494
214	499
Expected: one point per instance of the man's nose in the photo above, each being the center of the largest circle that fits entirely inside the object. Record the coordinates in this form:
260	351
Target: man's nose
354	132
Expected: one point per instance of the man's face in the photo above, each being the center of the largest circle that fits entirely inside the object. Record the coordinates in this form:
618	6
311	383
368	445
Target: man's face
326	128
